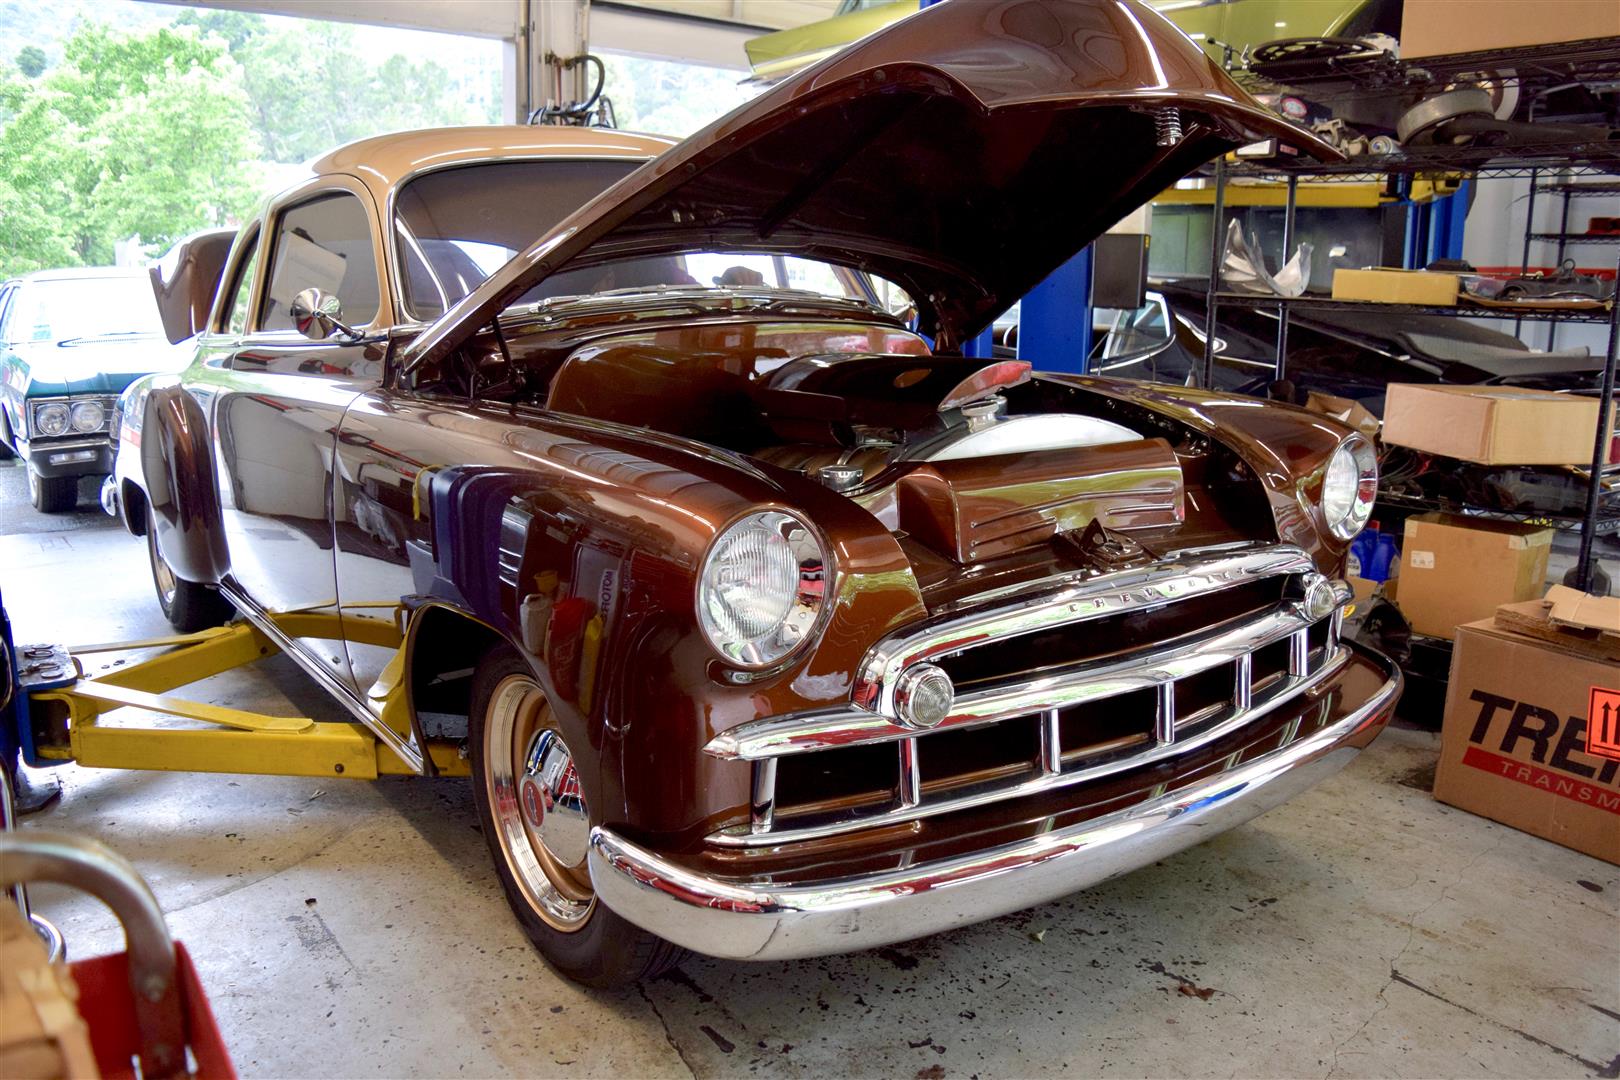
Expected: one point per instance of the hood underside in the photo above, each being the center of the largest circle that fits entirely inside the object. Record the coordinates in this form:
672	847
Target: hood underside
964	153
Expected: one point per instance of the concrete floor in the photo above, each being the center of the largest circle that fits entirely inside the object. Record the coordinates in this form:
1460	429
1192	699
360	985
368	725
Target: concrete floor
355	929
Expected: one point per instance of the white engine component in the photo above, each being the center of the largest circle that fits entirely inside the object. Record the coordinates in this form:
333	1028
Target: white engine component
985	437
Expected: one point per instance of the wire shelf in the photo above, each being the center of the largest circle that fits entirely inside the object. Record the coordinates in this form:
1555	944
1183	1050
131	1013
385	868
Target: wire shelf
1322	303
1580	159
1381	75
1596	190
1608	524
1577	238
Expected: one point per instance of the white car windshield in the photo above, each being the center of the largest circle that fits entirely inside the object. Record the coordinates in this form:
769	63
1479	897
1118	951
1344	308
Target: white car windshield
64	308
455	227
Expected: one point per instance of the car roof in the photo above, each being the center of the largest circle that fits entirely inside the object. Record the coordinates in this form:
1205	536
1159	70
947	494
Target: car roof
79	273
382	162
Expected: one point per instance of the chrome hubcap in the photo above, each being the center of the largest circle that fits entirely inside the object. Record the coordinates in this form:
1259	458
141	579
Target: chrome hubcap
540	815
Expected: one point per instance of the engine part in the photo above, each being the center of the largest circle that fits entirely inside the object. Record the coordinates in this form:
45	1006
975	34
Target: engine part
1417	126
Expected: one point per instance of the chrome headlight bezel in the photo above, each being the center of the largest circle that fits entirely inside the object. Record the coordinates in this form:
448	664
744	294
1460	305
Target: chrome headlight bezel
94	409
787	562
48	415
1349	488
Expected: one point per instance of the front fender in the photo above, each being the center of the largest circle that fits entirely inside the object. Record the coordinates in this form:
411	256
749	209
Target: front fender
585	557
176	475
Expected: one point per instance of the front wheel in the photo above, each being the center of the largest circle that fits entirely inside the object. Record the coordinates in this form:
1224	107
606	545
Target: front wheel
533	814
188	605
52	494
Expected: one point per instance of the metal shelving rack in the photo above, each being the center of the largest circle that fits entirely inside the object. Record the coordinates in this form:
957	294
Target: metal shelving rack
1582	167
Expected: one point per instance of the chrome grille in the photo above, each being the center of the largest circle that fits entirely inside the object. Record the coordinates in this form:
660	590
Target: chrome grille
1066	726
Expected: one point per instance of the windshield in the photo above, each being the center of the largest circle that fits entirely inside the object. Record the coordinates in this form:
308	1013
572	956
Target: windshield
455	227
85	307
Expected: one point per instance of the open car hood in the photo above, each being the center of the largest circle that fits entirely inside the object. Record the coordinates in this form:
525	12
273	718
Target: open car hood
964	153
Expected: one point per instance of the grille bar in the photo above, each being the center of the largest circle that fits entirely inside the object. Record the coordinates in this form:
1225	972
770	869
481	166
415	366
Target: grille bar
1051	742
1164	723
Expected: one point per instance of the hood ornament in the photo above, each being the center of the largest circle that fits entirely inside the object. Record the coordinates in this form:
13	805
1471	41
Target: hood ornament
1106	549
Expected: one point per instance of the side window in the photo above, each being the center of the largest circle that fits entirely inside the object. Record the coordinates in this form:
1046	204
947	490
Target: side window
323	244
242	288
6	294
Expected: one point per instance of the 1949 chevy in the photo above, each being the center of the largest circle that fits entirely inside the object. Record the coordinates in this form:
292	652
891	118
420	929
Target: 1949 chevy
772	626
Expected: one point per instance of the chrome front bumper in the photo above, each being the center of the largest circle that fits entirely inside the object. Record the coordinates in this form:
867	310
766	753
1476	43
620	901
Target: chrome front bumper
781	920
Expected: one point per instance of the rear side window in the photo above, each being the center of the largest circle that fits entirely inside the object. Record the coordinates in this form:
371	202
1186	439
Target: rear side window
323	244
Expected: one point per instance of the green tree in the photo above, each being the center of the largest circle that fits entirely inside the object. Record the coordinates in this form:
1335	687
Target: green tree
142	134
31	61
338	95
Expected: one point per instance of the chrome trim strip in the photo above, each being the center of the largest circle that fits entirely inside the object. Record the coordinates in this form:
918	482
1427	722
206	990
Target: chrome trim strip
1070	602
780	920
828	729
1277	695
255	614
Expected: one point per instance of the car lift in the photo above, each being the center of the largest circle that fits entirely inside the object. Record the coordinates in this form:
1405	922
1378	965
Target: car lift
191	736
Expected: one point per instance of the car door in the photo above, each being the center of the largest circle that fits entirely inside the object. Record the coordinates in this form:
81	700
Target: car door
279	400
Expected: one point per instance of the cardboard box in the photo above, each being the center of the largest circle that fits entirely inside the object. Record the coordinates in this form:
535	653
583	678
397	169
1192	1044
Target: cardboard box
1385	286
1439	27
1492	425
1455	570
1539	619
1350	413
1514	746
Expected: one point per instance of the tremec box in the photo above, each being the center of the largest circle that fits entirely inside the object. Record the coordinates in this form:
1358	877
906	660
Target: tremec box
1529	737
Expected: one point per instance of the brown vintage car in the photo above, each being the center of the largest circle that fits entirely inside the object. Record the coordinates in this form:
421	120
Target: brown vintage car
766	623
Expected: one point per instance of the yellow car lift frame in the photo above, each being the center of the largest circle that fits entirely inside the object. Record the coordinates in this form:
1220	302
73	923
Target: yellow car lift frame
216	738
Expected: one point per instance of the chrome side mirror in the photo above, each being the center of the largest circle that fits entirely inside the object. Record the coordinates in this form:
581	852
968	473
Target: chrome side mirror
317	314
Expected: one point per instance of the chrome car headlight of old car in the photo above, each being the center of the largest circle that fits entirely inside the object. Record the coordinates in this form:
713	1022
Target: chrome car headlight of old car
88	416
51	419
1349	487
761	588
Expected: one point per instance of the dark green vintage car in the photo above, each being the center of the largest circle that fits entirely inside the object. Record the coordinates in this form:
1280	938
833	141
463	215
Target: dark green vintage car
70	341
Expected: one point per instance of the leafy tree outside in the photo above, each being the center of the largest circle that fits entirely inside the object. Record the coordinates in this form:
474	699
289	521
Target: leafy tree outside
122	119
129	135
159	130
31	61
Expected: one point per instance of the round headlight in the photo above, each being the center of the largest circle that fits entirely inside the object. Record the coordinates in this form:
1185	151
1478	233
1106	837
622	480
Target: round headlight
88	416
1349	487
51	419
761	588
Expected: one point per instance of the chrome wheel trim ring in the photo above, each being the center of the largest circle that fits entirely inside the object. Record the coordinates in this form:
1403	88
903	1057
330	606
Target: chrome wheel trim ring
516	727
162	576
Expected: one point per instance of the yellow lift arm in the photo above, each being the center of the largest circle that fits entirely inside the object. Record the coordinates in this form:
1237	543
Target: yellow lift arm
180	735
